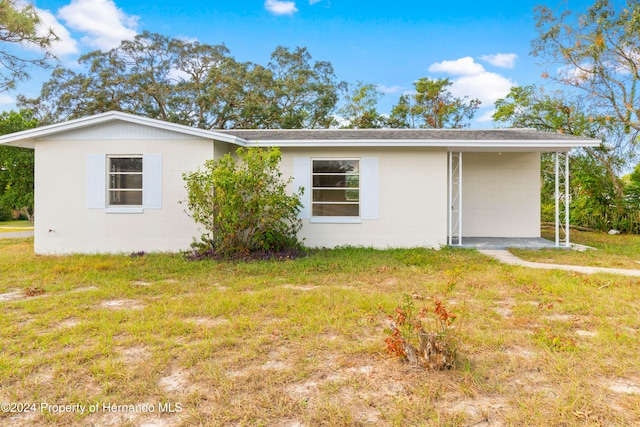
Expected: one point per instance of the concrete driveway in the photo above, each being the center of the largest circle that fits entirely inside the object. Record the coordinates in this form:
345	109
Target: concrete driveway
16	234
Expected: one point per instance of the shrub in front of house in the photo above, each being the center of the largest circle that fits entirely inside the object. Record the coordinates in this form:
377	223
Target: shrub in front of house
242	203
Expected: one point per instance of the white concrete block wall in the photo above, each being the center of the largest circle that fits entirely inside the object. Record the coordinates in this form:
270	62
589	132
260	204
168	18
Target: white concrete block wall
412	199
501	194
64	224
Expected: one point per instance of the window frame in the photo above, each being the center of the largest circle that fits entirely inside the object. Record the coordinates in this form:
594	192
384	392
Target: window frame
335	218
109	174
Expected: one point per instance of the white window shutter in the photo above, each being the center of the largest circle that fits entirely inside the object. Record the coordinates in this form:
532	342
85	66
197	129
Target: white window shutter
302	178
369	188
152	181
96	181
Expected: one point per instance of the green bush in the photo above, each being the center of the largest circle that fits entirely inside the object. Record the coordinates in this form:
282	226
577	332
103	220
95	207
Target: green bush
243	204
6	214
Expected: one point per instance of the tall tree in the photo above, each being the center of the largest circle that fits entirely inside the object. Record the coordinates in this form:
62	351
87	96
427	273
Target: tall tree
433	106
19	27
303	95
360	107
596	52
16	166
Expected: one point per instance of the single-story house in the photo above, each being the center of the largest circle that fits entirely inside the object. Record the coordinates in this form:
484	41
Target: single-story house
113	182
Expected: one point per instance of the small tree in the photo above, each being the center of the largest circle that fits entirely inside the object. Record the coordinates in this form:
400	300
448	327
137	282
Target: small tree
243	204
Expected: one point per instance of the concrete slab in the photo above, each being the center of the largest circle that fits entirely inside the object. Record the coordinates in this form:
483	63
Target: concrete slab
496	243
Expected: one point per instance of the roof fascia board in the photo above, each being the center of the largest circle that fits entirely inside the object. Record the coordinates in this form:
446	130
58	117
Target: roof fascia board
452	145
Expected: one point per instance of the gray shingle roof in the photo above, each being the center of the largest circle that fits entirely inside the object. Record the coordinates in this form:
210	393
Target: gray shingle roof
400	135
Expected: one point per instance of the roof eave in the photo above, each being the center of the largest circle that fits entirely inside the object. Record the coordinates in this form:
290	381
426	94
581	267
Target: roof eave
451	145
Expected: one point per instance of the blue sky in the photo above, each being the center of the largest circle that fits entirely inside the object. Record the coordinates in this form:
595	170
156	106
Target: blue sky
482	46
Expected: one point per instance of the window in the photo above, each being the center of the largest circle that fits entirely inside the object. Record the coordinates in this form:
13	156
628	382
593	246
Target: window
125	181
336	188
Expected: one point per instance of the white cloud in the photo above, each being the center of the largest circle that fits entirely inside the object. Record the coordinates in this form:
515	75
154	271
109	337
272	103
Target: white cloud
6	99
389	90
472	80
487	87
104	24
340	122
502	60
312	2
280	7
486	117
65	45
459	67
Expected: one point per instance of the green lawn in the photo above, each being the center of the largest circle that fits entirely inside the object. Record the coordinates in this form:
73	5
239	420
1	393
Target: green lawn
301	342
17	225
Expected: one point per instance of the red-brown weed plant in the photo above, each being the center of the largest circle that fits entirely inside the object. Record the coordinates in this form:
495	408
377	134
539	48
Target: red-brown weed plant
419	341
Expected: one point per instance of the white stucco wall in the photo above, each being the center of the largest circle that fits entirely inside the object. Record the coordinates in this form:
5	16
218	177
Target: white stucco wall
64	224
501	194
412	199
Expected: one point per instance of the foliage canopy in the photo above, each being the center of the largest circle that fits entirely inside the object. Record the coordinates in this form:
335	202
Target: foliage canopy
16	167
195	84
596	52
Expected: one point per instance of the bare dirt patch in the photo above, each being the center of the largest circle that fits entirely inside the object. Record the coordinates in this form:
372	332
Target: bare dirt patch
276	365
535	381
122	304
390	281
85	289
307	287
135	354
562	317
160	422
43	376
141	283
291	423
209	321
624	386
111	419
11	296
68	323
176	382
505	308
303	390
521	352
23	419
482	410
